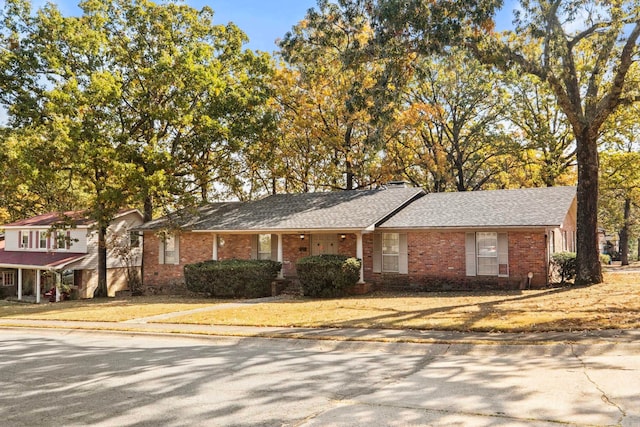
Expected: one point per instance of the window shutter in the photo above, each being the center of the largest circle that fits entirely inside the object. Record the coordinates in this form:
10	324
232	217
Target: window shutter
470	253
19	239
503	255
377	253
274	247
68	242
30	239
403	255
254	246
161	250
49	241
176	239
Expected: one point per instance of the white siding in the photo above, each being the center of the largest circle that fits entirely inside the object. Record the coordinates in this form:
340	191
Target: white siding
11	240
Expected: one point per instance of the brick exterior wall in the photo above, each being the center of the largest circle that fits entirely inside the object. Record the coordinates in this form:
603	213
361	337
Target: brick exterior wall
169	278
436	260
293	248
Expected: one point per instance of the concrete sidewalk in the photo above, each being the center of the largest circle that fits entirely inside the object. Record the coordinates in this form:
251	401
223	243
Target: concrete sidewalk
342	334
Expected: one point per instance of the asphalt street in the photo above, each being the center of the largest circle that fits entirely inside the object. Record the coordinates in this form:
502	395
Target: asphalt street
77	378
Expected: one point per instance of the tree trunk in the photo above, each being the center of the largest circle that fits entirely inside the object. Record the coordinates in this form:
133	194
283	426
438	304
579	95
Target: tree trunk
587	258
101	290
624	233
347	164
148	208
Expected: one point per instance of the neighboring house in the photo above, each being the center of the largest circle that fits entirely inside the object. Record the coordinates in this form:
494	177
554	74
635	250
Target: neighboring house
608	243
62	248
407	239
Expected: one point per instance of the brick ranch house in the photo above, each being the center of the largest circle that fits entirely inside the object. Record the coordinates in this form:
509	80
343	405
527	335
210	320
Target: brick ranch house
48	250
407	239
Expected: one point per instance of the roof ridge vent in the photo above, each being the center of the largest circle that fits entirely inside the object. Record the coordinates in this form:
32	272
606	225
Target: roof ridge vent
398	184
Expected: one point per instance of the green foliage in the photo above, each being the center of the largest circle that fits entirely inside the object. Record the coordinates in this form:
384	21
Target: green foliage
331	99
605	259
232	278
452	136
565	263
327	276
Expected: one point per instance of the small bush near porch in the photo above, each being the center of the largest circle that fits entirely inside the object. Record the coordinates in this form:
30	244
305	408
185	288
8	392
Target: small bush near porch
327	276
232	278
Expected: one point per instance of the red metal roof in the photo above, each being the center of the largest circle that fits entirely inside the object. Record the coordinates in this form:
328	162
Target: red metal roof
77	218
51	218
16	259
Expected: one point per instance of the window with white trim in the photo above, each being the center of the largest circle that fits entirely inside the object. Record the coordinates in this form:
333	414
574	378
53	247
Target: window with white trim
487	253
264	246
134	239
25	240
390	252
169	249
42	241
8	278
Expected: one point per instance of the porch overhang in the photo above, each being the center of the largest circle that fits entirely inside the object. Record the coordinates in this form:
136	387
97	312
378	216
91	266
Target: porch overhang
37	260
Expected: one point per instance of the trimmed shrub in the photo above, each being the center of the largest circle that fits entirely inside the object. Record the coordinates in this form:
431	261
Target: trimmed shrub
232	278
565	263
605	259
327	276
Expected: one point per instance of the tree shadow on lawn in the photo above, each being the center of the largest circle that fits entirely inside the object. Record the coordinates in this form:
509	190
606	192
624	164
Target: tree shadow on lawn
482	310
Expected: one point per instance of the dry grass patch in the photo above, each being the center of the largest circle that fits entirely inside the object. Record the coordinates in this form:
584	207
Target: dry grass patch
612	304
102	310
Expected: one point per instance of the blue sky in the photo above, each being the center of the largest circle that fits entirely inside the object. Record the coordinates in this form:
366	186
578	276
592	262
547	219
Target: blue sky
263	21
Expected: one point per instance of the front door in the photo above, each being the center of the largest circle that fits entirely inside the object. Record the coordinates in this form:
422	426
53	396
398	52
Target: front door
322	244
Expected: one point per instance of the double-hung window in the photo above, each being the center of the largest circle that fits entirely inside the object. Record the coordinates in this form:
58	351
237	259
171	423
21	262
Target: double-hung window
25	240
390	252
169	249
8	278
134	239
487	250
487	254
42	241
264	246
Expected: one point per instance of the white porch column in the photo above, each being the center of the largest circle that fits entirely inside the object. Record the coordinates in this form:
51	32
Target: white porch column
38	290
58	281
280	257
360	255
19	284
214	256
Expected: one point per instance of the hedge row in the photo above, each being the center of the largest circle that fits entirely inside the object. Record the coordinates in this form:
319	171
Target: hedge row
232	278
327	275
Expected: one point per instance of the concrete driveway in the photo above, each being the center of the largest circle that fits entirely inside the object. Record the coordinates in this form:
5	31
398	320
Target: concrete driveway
53	378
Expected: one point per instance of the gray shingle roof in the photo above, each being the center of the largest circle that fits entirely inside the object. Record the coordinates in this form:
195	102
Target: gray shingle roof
358	209
186	218
497	208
